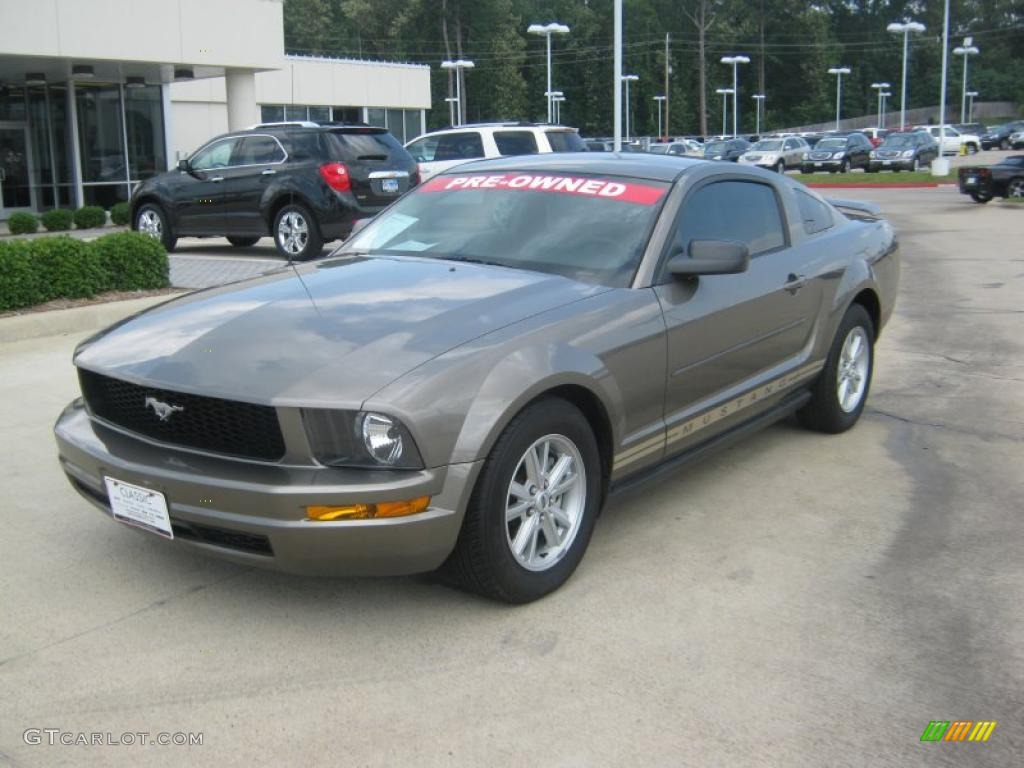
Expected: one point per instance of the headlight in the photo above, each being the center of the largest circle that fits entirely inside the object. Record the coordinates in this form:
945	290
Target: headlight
908	153
872	154
363	439
838	155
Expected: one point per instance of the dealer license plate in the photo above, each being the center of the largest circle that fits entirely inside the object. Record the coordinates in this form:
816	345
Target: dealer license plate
887	162
817	165
138	506
390	186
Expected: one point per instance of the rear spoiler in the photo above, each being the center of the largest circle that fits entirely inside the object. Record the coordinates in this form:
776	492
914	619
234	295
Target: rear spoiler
857	207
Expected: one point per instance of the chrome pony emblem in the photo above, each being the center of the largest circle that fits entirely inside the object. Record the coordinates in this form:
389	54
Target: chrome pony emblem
164	411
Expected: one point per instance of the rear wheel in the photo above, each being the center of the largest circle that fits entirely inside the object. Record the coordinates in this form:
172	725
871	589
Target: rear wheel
972	149
296	234
839	394
151	220
980	198
533	509
1015	187
1004	144
243	242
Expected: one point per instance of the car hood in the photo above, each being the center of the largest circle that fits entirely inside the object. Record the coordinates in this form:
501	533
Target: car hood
328	333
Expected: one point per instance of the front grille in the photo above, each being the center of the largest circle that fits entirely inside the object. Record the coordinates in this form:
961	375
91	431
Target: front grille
887	154
821	155
221	537
193	421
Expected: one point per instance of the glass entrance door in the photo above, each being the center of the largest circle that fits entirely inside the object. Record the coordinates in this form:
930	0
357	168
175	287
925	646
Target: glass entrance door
15	186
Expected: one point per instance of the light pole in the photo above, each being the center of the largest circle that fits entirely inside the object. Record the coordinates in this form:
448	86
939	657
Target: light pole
735	60
617	75
880	87
557	97
839	72
966	50
970	105
451	109
547	30
659	99
759	97
940	165
884	96
458	65
905	29
726	92
627	79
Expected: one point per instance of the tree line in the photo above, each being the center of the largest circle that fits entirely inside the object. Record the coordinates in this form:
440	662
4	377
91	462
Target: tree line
791	45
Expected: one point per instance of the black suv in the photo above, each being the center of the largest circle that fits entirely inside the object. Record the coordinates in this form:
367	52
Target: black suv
838	153
302	183
903	151
998	136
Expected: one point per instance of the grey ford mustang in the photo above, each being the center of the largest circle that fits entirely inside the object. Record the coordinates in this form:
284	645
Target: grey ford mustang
462	384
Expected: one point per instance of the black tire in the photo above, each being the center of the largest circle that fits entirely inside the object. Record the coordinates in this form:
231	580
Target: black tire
482	560
869	169
162	231
307	243
780	167
979	198
916	165
972	149
1015	187
824	412
243	242
1004	144
845	166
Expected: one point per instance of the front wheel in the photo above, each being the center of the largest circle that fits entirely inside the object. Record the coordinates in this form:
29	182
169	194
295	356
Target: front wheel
844	167
533	508
780	167
916	165
296	234
151	220
839	394
1004	144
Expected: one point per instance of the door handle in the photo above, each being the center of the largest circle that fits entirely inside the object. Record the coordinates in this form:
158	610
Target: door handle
794	283
217	179
269	172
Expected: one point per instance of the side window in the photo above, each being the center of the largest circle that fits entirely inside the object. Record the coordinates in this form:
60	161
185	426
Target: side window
816	215
790	144
257	150
732	210
423	150
216	155
565	141
515	142
459	146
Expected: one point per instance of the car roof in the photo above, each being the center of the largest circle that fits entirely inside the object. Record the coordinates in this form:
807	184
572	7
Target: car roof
635	164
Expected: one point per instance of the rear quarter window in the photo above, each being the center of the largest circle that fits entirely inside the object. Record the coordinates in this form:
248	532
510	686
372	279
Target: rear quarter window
565	141
348	147
816	215
515	142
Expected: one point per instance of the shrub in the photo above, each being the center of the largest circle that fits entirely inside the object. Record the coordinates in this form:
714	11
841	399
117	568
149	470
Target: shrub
45	268
90	217
22	223
133	261
58	220
121	214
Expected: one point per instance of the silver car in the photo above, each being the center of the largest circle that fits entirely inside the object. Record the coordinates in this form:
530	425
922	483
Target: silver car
464	383
776	154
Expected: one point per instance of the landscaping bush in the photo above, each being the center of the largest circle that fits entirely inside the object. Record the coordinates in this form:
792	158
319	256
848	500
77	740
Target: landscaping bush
133	261
22	223
90	217
58	220
45	268
121	214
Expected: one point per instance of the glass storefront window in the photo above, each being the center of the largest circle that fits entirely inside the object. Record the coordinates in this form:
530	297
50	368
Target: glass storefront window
101	140
412	124
144	118
271	113
377	117
320	114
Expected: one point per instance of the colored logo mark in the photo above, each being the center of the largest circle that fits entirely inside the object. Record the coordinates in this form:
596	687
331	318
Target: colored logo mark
958	730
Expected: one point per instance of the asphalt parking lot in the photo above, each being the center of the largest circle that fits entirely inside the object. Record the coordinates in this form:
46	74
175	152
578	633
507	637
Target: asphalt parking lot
800	600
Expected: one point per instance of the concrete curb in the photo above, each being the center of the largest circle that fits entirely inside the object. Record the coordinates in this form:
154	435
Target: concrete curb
93	317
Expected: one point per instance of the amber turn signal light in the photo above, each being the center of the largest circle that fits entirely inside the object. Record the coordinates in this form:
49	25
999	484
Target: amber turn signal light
369	511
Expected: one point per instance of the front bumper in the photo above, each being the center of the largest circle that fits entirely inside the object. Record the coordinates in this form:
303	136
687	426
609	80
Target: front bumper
254	514
821	165
889	165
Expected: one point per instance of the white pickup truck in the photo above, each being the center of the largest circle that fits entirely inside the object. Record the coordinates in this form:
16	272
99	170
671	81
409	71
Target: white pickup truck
953	139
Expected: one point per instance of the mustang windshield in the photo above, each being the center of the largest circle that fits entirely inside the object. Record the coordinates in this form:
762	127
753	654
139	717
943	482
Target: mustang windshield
585	228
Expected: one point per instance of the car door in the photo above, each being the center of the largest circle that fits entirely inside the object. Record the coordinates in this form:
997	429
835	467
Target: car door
440	152
198	194
733	334
860	146
791	152
255	162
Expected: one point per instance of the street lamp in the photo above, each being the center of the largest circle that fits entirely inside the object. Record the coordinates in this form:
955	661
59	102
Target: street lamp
966	50
627	79
759	97
451	109
880	87
557	97
734	60
726	92
970	105
884	95
659	99
458	65
547	30
839	72
904	29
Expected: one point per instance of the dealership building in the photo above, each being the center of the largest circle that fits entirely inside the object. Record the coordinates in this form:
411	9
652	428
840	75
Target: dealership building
96	96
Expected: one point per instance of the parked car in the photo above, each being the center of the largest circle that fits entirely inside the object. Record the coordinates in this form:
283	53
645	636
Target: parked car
973	129
1017	140
681	148
725	149
1004	179
608	145
903	151
441	150
876	135
301	183
998	136
839	154
953	140
777	155
467	378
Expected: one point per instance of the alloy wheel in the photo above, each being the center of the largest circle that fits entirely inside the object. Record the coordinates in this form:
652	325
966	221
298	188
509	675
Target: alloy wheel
545	502
1015	188
149	223
852	376
293	233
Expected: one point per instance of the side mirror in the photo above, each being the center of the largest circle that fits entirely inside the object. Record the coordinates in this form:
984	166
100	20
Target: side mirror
183	165
710	257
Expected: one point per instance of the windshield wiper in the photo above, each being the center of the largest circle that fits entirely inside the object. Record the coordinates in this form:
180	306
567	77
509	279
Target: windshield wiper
466	259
